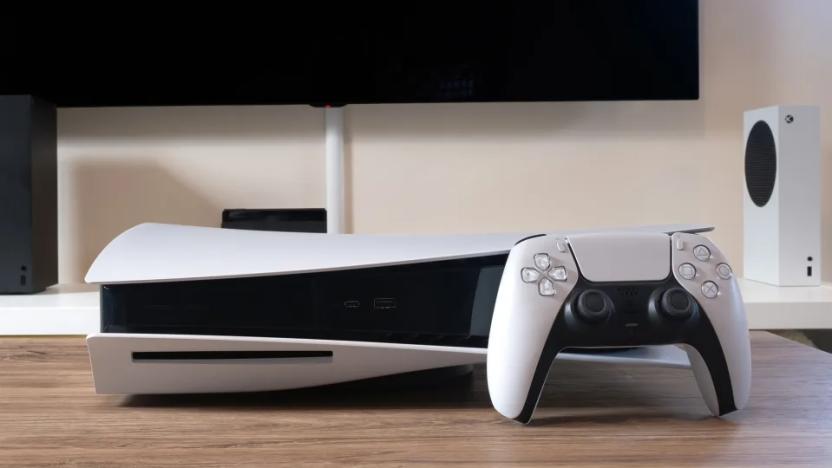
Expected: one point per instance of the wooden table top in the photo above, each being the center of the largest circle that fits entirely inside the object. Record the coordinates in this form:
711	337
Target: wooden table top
597	414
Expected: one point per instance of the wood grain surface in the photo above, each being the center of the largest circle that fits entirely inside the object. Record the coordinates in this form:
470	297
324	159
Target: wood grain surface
590	414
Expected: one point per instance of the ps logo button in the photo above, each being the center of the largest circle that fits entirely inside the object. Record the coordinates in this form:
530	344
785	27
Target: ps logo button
557	273
546	287
710	289
723	271
529	275
687	271
542	261
702	253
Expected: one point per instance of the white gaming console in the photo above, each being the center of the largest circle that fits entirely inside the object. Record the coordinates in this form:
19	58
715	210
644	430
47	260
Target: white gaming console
199	310
782	196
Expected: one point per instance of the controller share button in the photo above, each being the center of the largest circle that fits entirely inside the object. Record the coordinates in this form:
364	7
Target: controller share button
687	271
710	289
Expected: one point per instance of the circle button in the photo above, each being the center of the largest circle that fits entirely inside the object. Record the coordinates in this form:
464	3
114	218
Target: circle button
710	289
723	270
687	271
702	253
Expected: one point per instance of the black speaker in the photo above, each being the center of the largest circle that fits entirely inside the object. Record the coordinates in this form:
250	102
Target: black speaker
28	195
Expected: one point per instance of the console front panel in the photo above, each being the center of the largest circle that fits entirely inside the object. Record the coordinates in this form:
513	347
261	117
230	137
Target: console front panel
446	303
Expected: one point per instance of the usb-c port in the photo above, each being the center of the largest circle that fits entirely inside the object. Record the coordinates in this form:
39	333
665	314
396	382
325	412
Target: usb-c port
808	271
352	304
384	303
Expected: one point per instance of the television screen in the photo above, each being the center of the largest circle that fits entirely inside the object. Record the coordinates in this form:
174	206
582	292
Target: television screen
358	52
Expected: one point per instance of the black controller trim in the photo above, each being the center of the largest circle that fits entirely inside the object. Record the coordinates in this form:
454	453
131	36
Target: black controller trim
635	322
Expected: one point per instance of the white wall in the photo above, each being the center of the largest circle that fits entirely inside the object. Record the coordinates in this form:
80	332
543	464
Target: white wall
462	167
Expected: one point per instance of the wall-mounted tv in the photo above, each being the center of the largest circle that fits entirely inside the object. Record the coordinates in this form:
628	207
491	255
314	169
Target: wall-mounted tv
358	52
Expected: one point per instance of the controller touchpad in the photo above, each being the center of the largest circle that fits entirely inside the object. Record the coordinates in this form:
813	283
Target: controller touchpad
636	256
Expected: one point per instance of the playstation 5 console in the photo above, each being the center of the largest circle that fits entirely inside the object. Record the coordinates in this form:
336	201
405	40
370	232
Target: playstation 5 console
198	310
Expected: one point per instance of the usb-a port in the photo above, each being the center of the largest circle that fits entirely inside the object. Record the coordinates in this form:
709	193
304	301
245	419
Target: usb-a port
384	303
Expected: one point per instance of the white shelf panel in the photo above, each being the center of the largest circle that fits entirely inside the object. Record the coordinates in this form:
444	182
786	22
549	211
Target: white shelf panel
787	308
72	309
65	309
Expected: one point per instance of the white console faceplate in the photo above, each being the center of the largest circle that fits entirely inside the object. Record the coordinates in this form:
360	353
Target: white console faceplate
115	371
166	252
630	256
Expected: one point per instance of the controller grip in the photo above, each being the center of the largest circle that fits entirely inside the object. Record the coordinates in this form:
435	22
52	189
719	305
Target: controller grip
724	380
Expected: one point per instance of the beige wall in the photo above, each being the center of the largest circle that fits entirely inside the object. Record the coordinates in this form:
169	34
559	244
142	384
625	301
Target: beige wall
462	168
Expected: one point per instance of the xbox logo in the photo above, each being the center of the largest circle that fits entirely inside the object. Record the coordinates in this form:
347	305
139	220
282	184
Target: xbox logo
789	118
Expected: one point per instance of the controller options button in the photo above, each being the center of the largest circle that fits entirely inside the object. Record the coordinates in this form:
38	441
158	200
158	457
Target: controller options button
546	287
687	271
723	270
676	303
680	244
529	275
702	253
542	261
561	245
710	289
557	273
593	306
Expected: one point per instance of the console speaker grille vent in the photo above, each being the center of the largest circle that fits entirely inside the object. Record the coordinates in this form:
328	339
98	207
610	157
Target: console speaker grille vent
760	163
628	291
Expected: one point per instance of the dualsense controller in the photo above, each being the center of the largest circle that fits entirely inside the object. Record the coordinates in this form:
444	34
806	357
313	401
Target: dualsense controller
617	289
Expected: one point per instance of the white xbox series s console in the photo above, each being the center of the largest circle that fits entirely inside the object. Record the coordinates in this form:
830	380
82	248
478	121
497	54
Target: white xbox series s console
781	201
197	310
617	289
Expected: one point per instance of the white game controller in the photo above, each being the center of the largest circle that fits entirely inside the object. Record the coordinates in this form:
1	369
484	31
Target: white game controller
617	289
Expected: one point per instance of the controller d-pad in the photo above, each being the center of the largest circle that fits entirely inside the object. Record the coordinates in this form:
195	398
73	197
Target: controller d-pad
557	273
546	287
529	275
542	261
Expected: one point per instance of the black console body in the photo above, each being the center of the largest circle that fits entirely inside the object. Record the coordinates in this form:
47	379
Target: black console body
447	303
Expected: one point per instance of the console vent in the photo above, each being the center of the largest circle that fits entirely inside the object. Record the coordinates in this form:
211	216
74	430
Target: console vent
760	163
